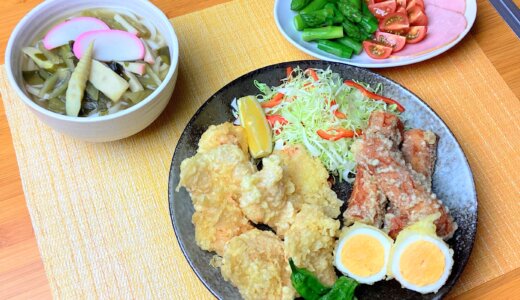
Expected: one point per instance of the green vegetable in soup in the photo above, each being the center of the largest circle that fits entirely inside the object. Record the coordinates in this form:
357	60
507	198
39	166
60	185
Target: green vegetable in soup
44	74
163	51
164	71
153	75
132	26
63	84
78	83
39	58
49	84
105	16
164	54
137	97
143	31
32	77
53	58
56	105
92	92
123	22
147	82
68	57
135	85
103	104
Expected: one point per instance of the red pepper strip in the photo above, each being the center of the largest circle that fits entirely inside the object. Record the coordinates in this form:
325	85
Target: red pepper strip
289	71
313	74
277	99
340	134
276	118
374	96
337	113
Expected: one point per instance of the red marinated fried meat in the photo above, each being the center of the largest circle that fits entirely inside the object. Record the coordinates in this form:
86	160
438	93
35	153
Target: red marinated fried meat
367	202
420	151
408	192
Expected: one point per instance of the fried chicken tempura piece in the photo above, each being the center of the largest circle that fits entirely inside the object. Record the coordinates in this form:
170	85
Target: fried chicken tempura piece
217	221
225	133
217	217
367	202
410	197
420	151
265	196
310	242
205	173
310	179
255	263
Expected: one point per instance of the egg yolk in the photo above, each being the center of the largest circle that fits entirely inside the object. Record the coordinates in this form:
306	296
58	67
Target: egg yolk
363	255
422	263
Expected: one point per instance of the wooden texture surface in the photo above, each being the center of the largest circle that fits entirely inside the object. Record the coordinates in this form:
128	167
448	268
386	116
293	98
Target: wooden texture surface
21	271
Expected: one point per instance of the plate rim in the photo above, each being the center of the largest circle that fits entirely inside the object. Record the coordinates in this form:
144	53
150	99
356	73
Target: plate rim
404	62
171	188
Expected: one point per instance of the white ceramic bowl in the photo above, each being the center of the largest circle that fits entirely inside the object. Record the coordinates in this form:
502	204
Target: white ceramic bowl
96	129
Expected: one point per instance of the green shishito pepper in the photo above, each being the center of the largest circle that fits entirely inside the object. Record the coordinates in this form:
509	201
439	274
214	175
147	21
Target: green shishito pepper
343	289
306	284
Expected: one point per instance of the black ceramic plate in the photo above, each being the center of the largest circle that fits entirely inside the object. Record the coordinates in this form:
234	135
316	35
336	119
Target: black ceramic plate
452	181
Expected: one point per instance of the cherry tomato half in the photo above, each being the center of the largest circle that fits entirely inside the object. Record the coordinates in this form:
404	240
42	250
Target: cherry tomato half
416	34
381	9
377	51
412	3
395	41
394	22
401	9
401	3
416	16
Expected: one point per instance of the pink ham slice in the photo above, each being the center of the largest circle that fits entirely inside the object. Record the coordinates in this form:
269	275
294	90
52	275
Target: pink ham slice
444	27
453	5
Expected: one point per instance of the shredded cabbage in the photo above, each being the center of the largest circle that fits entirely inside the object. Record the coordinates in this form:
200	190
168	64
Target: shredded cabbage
307	106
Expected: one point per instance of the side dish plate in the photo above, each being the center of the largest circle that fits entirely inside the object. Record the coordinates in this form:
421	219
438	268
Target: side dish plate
452	180
441	18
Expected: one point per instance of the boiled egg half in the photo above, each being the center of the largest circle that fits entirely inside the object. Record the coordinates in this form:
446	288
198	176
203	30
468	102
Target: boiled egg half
363	253
420	260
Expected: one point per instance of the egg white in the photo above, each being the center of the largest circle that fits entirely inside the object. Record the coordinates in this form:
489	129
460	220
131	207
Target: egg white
400	247
385	241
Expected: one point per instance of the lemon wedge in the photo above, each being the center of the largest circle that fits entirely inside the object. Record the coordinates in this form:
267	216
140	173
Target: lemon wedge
252	118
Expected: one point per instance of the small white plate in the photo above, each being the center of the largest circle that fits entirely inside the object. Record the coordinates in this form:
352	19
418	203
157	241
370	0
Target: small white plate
284	16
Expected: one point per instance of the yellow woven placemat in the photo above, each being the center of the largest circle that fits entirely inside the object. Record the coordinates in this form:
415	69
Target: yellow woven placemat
100	211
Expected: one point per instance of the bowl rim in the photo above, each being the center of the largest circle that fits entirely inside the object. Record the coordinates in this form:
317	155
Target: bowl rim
23	23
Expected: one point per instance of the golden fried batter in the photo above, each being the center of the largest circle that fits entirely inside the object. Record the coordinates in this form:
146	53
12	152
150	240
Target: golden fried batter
213	180
310	242
255	263
219	169
265	196
217	221
225	133
310	179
